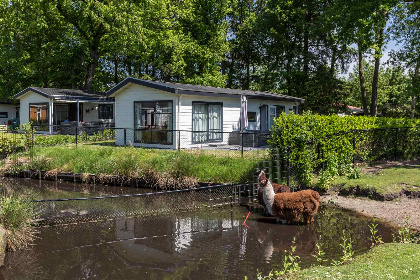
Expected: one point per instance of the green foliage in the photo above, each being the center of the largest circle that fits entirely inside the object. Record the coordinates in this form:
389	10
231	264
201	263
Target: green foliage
374	237
290	265
319	254
404	234
387	261
16	212
387	181
394	90
137	162
16	215
314	140
347	249
29	134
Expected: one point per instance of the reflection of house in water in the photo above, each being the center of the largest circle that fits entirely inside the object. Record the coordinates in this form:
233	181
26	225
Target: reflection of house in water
136	249
145	242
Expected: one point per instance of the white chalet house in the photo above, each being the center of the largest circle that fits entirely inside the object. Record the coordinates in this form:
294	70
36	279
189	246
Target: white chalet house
49	108
171	115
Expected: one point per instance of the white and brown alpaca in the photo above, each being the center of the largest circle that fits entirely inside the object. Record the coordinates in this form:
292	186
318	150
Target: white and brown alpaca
291	207
276	187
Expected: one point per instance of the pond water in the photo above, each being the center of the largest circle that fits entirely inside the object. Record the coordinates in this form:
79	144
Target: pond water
191	245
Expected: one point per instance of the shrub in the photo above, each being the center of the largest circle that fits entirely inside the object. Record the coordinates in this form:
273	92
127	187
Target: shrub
332	141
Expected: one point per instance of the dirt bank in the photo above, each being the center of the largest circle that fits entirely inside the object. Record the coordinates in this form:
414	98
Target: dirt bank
395	212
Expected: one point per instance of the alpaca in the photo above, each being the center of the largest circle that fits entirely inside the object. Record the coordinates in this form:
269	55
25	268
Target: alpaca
289	206
276	187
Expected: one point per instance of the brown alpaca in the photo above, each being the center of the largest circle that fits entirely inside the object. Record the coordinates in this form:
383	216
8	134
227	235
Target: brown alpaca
291	207
276	187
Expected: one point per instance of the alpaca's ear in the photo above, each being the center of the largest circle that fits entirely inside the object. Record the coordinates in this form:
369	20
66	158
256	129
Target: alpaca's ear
257	172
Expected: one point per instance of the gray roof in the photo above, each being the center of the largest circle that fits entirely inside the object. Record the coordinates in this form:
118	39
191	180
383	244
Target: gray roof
204	90
67	94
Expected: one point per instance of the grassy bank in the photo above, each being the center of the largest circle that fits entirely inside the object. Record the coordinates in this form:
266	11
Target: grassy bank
219	167
387	261
384	181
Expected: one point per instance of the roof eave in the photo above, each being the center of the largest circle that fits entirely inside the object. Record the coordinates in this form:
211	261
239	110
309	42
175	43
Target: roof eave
16	96
111	92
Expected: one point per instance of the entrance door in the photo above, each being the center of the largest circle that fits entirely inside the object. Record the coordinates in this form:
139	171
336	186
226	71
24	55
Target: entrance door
264	118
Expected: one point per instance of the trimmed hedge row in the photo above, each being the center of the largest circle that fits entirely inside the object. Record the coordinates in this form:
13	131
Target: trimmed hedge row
327	144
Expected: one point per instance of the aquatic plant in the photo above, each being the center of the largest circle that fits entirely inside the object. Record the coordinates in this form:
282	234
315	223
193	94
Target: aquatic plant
347	247
319	254
404	233
374	237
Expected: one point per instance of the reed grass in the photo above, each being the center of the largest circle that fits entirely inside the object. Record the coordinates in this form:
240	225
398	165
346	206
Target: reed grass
16	216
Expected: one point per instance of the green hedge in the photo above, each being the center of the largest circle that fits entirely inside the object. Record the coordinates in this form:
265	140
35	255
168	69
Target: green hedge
332	141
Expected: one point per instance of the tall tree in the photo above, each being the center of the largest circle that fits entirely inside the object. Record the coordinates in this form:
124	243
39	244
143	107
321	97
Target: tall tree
406	32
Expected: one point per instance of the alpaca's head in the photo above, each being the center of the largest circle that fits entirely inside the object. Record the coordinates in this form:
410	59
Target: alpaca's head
262	179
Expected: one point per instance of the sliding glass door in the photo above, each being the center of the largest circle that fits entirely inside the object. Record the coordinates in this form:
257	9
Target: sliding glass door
207	122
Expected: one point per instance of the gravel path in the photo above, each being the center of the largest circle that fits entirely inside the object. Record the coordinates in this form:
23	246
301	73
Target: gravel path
395	212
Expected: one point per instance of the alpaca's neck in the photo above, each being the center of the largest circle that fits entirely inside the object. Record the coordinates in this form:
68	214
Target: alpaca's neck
268	196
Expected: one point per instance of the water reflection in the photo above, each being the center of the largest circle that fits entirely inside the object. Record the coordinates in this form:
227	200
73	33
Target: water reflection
205	245
40	189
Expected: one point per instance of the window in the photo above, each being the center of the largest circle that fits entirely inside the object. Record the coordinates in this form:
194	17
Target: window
61	113
272	115
279	110
153	122
207	122
38	115
105	111
4	115
252	116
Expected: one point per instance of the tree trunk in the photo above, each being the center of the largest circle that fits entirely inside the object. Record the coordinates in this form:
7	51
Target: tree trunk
247	77
362	83
333	60
116	69
73	84
415	91
308	19
94	56
378	54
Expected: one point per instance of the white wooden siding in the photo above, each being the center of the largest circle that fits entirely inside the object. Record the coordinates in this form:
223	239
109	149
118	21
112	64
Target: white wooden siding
124	114
124	111
93	114
31	97
10	110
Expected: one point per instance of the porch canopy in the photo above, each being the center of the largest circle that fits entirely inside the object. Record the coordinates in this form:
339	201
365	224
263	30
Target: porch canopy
52	106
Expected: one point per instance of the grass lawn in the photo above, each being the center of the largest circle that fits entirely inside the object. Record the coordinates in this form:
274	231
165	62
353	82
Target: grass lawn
135	162
387	180
387	261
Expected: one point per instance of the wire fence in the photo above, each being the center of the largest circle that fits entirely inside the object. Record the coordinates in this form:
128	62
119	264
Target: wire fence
232	143
88	209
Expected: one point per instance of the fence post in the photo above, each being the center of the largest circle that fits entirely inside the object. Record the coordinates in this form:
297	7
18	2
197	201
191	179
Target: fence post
278	162
179	139
288	166
242	144
77	132
396	144
354	150
125	137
